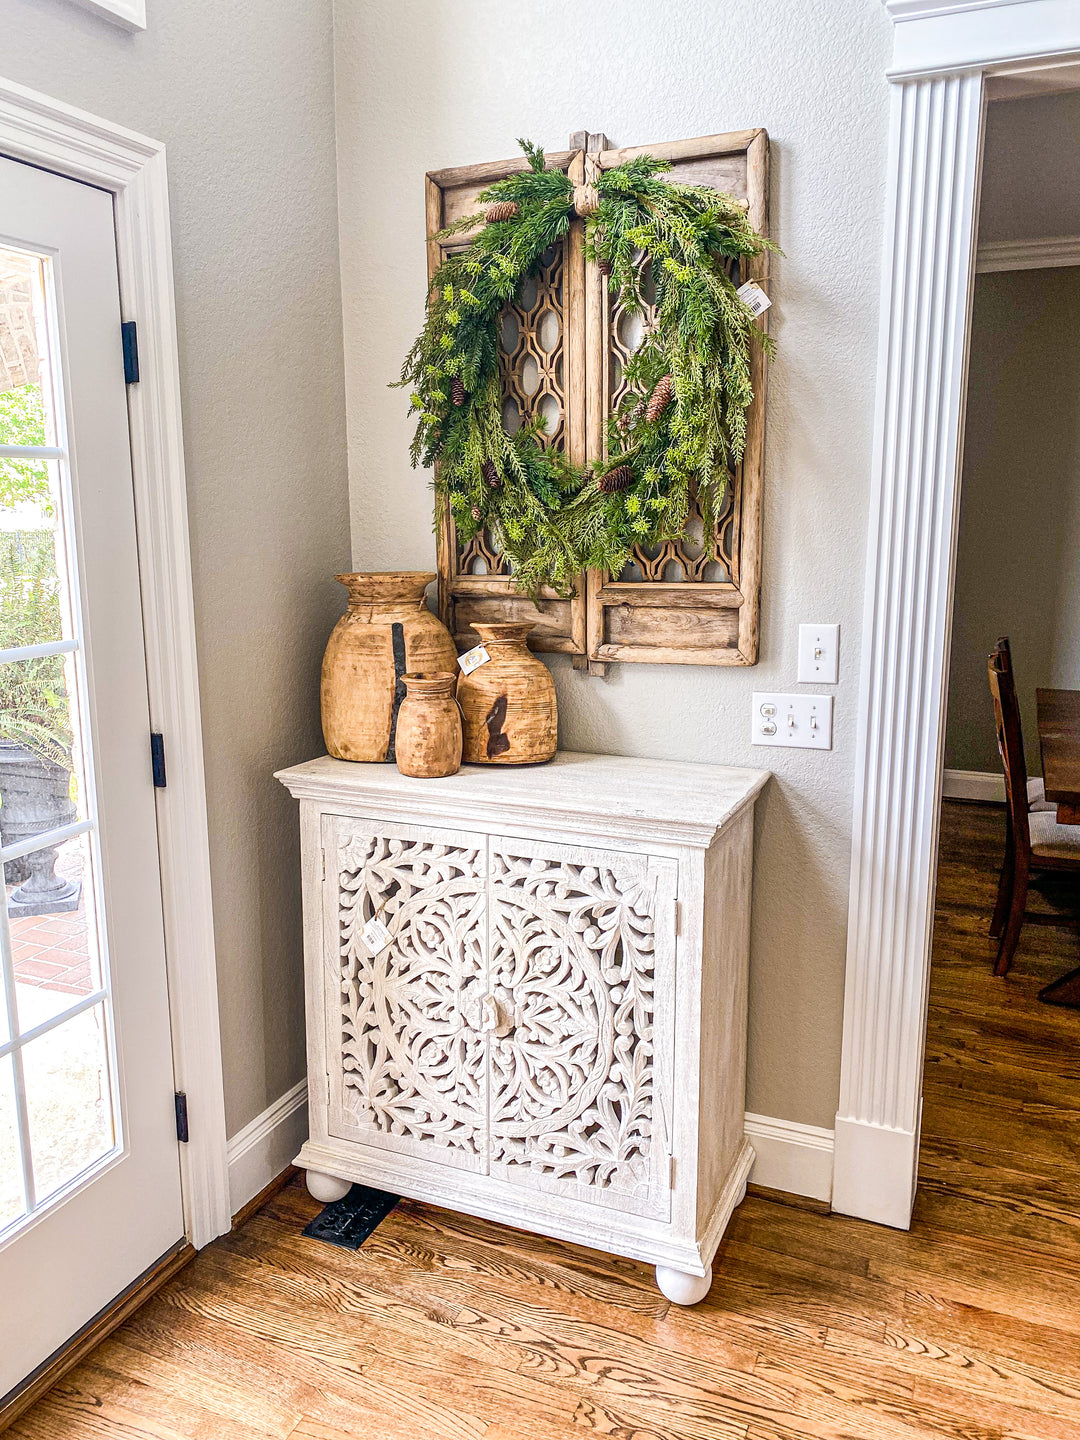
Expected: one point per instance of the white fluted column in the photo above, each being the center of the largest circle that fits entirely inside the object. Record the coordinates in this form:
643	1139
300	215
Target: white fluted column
935	145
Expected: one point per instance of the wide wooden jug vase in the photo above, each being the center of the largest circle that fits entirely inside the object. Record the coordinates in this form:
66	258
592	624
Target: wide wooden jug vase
507	704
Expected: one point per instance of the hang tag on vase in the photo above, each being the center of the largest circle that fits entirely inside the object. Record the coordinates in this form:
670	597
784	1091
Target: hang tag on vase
473	659
375	935
752	294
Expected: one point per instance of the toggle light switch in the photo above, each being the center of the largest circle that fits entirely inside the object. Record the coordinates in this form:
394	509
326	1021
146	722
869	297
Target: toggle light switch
819	654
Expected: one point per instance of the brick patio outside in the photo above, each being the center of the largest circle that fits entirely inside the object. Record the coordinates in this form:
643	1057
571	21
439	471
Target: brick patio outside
50	951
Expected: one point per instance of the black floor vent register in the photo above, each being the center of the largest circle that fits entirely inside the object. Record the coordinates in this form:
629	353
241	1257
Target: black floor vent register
349	1221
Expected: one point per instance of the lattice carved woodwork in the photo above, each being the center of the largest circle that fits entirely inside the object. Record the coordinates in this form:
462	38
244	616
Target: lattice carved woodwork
687	560
406	1021
675	603
572	1078
542	361
532	349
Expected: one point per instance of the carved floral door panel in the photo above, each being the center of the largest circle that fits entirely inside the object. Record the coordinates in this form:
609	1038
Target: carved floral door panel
582	971
406	1051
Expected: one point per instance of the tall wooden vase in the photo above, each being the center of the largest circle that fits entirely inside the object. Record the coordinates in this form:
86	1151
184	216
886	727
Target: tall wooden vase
508	709
386	631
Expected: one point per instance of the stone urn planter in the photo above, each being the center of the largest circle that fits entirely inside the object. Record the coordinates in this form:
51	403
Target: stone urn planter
35	796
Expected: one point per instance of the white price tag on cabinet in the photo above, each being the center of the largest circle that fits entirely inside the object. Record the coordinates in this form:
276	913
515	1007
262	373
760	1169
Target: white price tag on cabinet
375	935
473	659
752	294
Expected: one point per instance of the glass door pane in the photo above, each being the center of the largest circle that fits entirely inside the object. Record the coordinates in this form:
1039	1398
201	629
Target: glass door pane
59	1117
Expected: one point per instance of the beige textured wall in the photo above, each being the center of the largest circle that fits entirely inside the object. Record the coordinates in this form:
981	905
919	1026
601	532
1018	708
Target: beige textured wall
1031	168
241	92
1018	572
421	85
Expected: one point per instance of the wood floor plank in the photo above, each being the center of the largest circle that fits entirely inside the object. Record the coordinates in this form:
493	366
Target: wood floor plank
817	1327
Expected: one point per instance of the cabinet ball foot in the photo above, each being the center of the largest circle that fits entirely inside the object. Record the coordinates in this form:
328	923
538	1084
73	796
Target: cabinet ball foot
326	1187
680	1288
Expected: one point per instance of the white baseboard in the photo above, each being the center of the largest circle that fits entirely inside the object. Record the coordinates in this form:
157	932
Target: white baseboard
875	1172
791	1157
973	785
262	1150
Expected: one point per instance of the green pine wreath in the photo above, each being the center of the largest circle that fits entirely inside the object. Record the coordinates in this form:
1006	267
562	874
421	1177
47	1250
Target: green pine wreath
681	427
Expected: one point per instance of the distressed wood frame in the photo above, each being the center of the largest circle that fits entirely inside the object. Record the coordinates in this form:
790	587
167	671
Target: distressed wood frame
611	619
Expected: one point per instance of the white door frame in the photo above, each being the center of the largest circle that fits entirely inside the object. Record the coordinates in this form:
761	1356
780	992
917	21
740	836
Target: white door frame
944	50
73	143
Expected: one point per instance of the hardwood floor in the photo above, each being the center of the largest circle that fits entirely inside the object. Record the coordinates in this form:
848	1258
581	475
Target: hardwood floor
968	1327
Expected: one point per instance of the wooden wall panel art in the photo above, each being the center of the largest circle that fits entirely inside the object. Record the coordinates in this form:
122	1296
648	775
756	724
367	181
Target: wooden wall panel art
565	342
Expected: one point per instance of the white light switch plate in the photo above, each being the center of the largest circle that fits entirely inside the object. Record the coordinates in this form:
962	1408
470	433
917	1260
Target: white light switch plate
799	721
819	654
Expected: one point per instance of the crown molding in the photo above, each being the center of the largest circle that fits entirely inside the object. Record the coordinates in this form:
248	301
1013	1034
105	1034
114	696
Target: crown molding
941	37
1049	253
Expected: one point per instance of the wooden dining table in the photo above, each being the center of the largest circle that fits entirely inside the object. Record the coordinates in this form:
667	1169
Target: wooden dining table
1058	714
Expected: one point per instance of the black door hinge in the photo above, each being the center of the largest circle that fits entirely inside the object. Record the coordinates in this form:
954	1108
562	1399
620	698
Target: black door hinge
129	338
157	759
181	1117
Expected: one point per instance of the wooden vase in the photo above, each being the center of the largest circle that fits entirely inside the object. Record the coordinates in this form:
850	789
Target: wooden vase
508	704
428	740
386	631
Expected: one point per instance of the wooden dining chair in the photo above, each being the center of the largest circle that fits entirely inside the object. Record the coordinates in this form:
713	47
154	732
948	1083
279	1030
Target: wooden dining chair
1034	841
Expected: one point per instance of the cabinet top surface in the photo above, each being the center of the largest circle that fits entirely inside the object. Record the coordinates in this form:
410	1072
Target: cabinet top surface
683	800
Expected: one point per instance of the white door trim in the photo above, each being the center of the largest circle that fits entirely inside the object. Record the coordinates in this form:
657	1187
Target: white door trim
71	142
929	265
130	14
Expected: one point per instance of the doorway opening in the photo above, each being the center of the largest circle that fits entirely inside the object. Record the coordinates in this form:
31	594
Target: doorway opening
1001	1086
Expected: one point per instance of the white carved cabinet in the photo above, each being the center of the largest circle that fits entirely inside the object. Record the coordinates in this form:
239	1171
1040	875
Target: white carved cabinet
555	1034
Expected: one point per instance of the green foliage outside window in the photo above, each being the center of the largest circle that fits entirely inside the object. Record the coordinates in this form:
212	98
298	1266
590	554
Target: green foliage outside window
22	422
34	705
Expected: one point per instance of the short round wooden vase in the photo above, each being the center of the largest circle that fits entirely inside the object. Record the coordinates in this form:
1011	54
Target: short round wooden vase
508	704
386	631
428	741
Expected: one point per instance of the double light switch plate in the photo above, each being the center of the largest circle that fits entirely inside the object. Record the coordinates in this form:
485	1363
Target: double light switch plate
797	721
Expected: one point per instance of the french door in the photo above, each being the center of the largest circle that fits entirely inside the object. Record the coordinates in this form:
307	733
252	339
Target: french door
89	1171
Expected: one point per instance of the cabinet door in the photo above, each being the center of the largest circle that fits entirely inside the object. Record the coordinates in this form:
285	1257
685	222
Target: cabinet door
405	1053
582	973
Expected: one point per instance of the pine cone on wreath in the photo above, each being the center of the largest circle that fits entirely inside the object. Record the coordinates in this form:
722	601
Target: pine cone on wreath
659	400
621	478
501	210
604	266
490	474
457	391
476	513
630	418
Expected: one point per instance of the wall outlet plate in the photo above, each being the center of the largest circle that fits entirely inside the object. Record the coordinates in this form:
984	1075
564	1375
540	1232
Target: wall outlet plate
802	722
819	654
